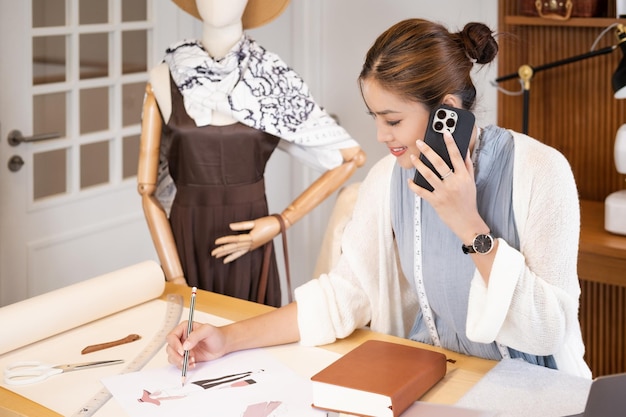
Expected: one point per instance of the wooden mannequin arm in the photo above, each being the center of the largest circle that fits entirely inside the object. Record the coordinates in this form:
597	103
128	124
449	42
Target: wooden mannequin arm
324	186
158	224
150	142
264	229
163	240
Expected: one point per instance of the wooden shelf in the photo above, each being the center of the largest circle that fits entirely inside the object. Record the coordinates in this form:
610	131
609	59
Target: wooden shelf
599	22
601	254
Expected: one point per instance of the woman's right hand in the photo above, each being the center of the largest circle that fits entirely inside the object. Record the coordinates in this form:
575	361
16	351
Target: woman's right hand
205	342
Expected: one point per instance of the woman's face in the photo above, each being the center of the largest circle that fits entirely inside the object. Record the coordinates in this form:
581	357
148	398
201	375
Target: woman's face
399	123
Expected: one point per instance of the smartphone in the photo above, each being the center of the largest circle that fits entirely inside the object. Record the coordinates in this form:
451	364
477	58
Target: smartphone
459	122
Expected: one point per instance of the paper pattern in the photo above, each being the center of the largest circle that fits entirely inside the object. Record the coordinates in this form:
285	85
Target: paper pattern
250	383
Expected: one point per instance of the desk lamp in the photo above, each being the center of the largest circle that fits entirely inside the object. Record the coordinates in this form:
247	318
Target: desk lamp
615	203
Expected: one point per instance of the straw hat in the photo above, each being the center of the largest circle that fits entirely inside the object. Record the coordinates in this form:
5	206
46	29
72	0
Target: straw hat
257	12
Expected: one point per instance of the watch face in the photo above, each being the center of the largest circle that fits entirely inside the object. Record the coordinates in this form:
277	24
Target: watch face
483	243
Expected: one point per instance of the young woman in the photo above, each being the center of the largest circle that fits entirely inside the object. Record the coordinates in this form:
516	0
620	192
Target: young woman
412	264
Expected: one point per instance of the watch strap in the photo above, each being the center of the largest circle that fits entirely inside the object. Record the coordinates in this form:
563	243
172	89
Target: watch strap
467	249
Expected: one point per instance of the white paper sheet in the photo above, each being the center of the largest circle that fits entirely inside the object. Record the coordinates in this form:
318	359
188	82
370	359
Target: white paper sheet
249	383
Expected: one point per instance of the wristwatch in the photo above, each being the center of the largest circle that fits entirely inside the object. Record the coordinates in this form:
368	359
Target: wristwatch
482	244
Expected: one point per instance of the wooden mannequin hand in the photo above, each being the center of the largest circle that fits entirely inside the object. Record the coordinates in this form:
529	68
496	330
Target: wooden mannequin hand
262	230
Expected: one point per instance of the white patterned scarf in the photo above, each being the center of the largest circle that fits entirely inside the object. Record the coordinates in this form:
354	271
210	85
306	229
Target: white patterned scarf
258	89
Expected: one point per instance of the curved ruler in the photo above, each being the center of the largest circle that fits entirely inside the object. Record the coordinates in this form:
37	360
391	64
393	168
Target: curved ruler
172	318
100	346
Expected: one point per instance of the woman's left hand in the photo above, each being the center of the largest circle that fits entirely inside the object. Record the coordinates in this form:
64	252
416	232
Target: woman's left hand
454	195
262	230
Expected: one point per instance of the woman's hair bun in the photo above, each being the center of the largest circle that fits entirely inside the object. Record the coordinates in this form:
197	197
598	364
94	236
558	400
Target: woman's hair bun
479	42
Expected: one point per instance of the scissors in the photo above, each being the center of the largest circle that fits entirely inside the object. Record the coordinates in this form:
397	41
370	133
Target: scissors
28	372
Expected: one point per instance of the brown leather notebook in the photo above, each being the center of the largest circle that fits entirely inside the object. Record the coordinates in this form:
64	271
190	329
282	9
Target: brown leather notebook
377	378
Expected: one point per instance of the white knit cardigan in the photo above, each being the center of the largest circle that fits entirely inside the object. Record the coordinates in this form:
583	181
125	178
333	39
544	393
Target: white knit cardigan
531	302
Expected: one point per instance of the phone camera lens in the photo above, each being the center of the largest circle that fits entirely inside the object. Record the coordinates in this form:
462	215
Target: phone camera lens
450	122
441	114
438	126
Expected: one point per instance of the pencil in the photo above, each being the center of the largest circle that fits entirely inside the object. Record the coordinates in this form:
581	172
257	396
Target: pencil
192	306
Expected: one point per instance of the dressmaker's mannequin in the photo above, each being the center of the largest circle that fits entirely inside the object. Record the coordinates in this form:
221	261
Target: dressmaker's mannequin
214	111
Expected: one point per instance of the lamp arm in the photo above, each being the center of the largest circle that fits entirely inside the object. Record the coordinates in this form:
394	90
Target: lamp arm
507	77
590	54
526	72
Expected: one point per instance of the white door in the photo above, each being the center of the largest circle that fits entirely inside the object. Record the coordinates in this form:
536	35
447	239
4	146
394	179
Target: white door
69	209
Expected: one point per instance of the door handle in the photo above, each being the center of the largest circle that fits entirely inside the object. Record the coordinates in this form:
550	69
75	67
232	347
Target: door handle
15	137
15	163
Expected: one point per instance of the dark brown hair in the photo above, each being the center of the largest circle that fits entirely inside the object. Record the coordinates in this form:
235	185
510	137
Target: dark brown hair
422	61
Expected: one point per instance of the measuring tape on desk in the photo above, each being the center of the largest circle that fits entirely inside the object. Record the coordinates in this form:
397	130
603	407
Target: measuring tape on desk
172	318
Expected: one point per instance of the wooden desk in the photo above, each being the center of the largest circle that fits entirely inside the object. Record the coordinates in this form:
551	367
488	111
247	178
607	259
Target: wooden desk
602	274
461	376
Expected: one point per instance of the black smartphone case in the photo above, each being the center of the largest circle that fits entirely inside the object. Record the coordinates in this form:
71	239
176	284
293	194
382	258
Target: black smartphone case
459	122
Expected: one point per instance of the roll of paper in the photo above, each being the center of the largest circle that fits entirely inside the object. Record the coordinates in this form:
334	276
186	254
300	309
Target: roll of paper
60	310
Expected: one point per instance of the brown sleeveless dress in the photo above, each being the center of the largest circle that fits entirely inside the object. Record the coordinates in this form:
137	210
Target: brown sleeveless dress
218	172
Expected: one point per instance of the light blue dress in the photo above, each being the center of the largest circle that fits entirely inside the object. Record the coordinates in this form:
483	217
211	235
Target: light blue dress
447	271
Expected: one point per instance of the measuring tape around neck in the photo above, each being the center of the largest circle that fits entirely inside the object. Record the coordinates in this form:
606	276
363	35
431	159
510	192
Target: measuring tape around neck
172	318
418	277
